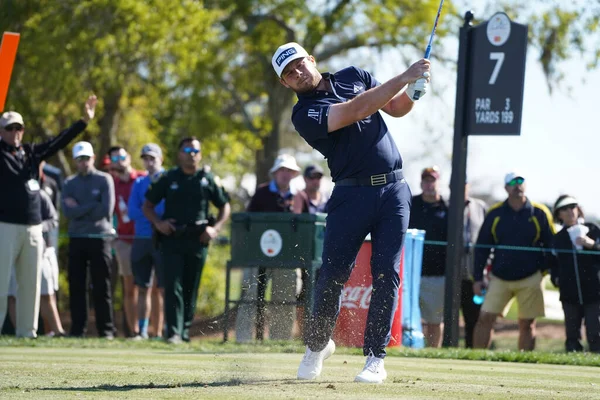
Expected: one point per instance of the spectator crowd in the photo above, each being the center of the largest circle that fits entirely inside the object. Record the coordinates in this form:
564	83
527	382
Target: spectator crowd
137	220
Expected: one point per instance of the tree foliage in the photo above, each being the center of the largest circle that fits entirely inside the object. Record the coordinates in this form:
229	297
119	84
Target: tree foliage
165	70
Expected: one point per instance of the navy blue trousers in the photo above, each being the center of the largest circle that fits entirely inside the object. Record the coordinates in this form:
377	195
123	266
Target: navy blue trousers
353	212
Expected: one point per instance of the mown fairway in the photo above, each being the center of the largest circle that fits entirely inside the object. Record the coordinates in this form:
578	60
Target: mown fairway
131	370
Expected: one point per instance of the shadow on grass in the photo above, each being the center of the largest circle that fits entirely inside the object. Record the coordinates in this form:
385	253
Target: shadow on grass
224	383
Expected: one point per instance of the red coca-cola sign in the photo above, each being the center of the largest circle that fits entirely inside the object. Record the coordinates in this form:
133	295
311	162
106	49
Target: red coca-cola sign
356	297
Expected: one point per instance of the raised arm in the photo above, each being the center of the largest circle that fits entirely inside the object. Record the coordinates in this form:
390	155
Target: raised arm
52	146
368	103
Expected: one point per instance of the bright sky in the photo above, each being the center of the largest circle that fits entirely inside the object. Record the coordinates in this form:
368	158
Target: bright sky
556	149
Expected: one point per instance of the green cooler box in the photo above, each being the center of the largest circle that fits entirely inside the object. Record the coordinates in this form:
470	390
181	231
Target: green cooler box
274	240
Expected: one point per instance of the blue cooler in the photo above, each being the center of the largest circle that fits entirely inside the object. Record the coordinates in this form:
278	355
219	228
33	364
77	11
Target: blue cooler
412	330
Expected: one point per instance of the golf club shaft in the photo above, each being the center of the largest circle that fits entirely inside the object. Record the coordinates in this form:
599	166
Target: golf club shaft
417	94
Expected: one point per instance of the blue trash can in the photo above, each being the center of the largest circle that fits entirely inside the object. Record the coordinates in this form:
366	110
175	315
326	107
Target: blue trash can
412	330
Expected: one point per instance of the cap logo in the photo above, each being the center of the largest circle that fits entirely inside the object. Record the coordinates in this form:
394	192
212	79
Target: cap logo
285	55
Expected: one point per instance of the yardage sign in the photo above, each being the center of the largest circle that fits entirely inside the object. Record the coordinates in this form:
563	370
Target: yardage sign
496	77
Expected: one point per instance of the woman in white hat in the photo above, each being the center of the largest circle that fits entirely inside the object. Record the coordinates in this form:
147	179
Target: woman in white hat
577	273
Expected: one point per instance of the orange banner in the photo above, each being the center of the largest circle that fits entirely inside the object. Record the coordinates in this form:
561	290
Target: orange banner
8	53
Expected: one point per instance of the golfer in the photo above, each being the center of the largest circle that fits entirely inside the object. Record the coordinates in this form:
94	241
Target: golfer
339	115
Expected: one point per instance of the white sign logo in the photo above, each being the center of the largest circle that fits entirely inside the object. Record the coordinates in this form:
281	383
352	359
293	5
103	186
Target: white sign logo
498	29
271	243
354	297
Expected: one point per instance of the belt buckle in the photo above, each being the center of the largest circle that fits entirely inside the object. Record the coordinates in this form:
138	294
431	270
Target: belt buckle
377	180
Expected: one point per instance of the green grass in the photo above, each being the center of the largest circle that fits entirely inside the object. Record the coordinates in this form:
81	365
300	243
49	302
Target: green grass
207	369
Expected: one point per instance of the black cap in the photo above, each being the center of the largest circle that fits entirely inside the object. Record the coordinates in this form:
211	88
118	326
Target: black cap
313	169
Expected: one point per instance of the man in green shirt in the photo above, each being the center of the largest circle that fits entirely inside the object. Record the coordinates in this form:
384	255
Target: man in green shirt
185	231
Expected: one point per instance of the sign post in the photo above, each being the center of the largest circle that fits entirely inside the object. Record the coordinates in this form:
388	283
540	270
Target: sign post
489	101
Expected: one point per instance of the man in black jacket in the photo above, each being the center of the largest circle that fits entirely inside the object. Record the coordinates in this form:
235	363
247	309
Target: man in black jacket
20	212
430	213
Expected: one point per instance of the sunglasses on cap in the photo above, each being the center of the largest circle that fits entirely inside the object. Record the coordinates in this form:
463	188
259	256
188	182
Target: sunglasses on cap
315	176
118	158
568	207
516	181
82	158
190	150
14	127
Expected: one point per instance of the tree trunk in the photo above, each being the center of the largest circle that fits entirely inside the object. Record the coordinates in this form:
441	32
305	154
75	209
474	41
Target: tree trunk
279	99
109	124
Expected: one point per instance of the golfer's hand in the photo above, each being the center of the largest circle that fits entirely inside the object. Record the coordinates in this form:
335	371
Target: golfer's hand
419	70
420	86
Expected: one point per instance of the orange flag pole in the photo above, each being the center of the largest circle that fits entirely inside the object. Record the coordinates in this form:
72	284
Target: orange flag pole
8	53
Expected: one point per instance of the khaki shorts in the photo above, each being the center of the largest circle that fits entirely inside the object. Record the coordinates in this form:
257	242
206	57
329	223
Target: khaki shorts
528	292
49	276
123	254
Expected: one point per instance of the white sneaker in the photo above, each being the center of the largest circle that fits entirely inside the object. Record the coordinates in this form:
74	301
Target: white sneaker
312	363
373	372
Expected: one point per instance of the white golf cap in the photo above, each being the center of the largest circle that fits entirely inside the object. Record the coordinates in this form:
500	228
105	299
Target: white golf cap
11	117
285	161
83	149
285	54
567	201
512	175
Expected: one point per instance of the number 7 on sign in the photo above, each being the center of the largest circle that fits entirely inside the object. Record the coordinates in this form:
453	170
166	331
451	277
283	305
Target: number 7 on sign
8	53
499	58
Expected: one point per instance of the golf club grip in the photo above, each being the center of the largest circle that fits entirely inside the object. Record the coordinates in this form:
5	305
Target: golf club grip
427	52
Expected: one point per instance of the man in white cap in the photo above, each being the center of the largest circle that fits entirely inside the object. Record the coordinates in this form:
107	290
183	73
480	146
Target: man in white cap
339	114
22	244
274	196
516	222
88	200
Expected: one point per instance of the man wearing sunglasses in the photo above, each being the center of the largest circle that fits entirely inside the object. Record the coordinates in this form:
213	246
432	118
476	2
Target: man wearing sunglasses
185	232
88	200
20	212
516	272
124	177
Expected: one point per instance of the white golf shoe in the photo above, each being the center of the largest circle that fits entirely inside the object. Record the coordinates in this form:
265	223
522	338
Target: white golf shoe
373	372
312	363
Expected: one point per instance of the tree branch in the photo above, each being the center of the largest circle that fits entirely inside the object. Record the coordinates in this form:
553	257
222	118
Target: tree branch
254	20
240	107
329	18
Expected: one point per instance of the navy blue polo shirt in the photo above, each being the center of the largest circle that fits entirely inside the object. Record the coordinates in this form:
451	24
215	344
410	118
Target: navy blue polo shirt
531	226
359	150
